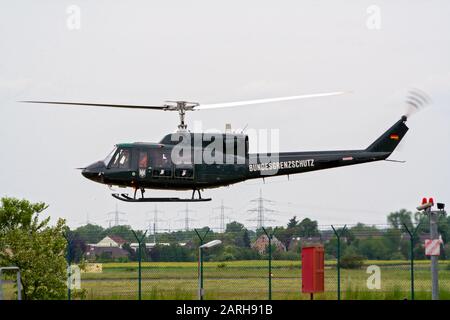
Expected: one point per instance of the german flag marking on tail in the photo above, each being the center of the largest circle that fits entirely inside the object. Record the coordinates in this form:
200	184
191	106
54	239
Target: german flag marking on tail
394	136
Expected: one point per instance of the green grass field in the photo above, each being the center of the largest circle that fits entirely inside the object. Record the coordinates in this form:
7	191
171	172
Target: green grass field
249	280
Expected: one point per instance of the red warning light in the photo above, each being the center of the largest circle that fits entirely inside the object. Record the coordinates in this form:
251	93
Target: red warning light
424	201
431	201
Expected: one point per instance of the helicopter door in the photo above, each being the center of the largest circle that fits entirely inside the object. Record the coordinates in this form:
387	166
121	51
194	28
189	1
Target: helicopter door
143	165
161	163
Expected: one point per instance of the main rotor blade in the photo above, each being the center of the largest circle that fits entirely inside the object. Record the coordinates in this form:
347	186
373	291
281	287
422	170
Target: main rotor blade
100	105
258	101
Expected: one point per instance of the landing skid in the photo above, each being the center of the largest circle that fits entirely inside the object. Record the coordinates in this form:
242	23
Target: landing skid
126	198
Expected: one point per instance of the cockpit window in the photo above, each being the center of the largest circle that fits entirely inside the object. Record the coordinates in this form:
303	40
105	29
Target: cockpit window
121	159
109	157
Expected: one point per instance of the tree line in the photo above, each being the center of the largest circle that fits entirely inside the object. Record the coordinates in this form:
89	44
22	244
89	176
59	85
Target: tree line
391	242
40	250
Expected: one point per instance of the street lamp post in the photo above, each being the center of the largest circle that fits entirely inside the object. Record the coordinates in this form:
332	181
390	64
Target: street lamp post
210	244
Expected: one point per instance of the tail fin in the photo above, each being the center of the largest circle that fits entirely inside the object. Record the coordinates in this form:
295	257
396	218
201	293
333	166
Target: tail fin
389	140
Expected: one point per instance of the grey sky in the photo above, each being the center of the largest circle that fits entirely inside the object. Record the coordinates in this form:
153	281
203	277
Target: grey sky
149	51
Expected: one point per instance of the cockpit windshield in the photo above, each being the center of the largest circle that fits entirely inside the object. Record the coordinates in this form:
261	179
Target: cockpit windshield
121	159
109	157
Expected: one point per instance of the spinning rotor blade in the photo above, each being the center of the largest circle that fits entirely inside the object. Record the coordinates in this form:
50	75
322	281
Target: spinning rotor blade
258	101
176	105
416	101
182	106
101	105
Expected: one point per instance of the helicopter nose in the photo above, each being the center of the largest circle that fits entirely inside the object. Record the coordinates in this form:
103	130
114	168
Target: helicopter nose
94	172
89	174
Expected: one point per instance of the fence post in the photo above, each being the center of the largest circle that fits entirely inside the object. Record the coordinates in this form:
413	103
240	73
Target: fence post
18	278
19	285
69	265
139	240
269	236
338	257
412	236
200	264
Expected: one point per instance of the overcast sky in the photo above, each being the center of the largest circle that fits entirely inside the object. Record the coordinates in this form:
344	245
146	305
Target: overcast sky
209	51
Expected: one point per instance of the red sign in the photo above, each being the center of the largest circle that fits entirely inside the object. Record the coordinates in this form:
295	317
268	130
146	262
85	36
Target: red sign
432	247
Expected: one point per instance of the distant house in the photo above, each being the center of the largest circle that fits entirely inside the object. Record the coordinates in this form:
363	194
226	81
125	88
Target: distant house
151	245
106	253
110	247
262	242
111	241
148	245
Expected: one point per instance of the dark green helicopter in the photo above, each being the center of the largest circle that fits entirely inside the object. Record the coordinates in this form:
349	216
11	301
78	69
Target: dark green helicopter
198	161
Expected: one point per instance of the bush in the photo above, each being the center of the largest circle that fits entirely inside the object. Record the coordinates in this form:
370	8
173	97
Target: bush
396	256
228	256
123	259
35	247
286	255
352	261
234	253
329	257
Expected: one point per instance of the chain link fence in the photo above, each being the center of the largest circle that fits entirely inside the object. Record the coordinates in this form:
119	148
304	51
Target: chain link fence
364	262
361	262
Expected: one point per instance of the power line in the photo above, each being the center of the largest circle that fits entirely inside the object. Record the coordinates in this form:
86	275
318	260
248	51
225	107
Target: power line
155	223
222	216
186	219
117	220
261	210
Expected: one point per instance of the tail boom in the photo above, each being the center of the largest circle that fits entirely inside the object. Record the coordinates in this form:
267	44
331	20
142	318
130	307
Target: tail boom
286	163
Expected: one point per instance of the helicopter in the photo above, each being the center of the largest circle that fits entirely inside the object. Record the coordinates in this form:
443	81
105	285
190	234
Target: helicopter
197	161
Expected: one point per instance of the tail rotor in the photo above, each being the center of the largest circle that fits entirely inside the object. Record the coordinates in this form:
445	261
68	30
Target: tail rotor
416	100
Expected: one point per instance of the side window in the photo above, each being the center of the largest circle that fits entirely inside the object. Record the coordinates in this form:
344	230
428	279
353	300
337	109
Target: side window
246	146
121	159
143	159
